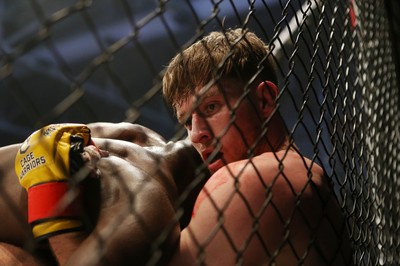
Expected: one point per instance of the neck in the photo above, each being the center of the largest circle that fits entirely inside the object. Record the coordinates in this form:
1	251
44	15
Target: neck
277	138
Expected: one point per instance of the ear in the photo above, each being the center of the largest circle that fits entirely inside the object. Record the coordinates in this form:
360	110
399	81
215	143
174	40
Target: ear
266	94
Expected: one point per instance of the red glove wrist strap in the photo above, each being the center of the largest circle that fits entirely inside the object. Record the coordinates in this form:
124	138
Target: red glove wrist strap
48	200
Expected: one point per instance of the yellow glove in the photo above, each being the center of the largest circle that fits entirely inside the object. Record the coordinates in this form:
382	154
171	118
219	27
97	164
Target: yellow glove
44	165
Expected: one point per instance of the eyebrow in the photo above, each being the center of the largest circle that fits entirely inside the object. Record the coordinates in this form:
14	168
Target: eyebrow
200	96
181	117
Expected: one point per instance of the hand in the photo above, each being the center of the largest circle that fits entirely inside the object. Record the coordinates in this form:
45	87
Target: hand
91	155
48	166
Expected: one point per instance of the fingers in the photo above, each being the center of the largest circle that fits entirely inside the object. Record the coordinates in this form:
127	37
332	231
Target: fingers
91	155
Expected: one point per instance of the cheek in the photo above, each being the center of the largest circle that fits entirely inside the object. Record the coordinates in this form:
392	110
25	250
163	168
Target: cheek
197	147
247	127
219	123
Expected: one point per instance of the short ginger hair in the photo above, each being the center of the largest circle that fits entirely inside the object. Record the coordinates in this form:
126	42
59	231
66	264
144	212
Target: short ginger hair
235	53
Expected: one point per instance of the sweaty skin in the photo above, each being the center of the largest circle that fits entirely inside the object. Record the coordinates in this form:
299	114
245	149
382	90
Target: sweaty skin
270	206
267	203
129	205
280	200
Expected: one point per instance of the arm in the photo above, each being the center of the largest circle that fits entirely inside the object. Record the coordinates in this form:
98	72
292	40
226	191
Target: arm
13	226
17	245
134	212
65	244
134	133
142	175
14	230
49	166
12	255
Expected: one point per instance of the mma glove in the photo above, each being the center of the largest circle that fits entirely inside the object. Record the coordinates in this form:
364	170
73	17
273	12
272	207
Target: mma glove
49	166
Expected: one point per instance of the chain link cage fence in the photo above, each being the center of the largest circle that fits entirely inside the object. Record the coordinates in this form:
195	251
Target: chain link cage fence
87	61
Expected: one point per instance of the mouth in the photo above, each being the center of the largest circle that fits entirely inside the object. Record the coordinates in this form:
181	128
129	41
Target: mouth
213	160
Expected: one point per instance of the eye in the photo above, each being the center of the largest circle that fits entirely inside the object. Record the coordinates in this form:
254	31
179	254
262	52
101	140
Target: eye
210	109
188	122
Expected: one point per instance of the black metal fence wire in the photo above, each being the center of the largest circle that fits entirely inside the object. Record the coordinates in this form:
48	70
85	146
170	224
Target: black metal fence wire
86	61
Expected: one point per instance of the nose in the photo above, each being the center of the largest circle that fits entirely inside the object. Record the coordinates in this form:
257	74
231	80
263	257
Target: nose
200	130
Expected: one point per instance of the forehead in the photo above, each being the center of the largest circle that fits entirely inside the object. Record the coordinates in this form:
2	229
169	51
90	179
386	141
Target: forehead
228	88
192	101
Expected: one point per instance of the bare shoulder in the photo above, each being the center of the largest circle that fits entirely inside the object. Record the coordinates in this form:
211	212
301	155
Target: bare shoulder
284	171
126	131
287	174
293	184
286	195
292	168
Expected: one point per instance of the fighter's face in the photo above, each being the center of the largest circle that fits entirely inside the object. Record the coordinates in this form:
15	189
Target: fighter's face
221	126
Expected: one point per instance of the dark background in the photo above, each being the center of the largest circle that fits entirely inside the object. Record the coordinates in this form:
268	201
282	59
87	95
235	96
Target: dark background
50	53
